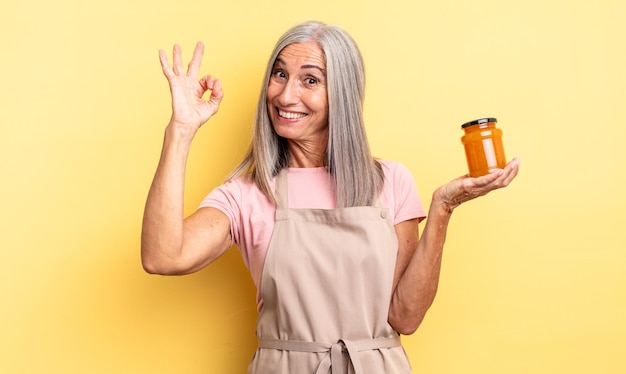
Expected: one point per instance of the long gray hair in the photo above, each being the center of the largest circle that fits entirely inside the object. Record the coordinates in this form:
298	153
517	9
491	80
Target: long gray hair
358	177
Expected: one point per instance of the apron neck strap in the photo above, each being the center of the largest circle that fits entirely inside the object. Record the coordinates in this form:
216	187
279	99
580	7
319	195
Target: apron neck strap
282	195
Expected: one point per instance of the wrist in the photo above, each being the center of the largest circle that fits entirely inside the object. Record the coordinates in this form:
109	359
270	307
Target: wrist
179	134
441	207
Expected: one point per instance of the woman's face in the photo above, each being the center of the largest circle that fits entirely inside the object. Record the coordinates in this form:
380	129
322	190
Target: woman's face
297	99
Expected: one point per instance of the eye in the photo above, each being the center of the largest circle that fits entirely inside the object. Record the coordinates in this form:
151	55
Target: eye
279	74
311	81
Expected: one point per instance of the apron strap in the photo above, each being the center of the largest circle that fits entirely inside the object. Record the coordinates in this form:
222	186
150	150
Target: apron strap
333	361
281	191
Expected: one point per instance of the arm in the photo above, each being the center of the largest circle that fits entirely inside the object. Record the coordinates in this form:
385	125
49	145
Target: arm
419	259
170	244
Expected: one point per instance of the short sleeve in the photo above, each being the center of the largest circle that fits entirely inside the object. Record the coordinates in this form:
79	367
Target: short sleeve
226	198
401	190
251	216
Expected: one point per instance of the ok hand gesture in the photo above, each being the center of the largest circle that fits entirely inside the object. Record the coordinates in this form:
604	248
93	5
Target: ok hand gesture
189	109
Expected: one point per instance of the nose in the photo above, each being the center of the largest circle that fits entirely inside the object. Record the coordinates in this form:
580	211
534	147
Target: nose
290	92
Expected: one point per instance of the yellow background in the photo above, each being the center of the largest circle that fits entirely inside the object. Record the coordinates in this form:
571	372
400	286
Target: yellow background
533	278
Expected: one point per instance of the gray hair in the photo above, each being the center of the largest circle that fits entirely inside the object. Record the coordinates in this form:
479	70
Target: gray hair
357	176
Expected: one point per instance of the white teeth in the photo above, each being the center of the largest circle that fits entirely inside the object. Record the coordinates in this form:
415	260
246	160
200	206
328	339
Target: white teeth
290	115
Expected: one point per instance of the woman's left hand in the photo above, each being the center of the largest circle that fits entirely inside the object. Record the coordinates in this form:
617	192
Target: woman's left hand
466	188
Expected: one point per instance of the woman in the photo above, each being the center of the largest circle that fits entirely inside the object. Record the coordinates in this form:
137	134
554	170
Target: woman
329	234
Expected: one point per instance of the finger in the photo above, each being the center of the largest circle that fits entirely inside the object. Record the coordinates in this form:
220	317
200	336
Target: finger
487	179
217	94
513	169
194	65
165	65
178	60
215	86
505	176
207	82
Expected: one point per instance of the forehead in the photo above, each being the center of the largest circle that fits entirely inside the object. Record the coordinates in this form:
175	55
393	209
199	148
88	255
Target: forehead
302	54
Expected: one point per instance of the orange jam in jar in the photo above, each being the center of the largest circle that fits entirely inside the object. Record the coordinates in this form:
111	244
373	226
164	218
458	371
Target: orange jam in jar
483	146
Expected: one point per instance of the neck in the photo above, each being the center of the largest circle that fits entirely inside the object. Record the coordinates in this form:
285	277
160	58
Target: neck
303	155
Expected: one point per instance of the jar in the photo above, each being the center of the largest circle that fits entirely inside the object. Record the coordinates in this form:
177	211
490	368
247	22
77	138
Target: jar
483	146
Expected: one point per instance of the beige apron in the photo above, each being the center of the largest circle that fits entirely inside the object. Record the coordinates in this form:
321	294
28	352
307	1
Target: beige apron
326	288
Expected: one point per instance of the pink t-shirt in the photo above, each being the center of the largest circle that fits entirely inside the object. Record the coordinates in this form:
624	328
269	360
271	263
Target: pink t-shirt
252	214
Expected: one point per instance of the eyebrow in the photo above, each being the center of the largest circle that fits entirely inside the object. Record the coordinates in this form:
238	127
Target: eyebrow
305	66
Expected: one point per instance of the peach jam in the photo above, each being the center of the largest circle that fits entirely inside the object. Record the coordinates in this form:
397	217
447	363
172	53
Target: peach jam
483	146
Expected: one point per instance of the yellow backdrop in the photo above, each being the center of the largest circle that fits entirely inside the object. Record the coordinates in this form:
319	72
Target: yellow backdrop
533	277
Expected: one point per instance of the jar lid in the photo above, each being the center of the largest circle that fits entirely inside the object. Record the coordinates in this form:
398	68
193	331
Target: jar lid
478	121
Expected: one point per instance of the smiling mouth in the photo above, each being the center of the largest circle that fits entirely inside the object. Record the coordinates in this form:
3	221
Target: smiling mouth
291	115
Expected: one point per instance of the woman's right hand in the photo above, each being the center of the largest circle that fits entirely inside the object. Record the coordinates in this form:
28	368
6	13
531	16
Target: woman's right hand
189	109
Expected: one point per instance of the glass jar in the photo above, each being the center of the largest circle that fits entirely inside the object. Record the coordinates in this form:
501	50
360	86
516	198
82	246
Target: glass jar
483	146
